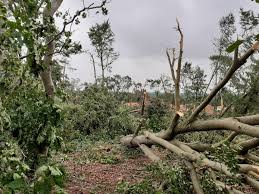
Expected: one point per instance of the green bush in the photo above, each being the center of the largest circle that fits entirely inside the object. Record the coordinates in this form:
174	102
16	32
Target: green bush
93	111
157	115
143	187
4	117
12	169
177	182
49	179
34	119
122	122
98	112
17	177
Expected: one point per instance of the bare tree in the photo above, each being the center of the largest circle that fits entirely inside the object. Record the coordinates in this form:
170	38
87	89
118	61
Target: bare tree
176	74
94	67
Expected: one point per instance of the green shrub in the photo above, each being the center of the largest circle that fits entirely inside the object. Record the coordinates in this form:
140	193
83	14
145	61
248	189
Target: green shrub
224	153
143	187
17	177
34	119
4	117
157	115
99	113
12	169
208	184
122	122
49	179
210	137
178	180
93	111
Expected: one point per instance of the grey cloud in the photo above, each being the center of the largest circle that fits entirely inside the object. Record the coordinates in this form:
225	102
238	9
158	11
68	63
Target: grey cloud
144	29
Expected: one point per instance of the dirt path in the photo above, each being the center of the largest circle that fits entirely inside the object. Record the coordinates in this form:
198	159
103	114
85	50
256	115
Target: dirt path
100	178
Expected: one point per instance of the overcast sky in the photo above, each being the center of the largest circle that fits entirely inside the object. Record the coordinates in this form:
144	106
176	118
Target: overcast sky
145	28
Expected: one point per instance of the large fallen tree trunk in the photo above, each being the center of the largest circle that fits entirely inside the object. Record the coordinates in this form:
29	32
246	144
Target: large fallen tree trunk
192	152
240	125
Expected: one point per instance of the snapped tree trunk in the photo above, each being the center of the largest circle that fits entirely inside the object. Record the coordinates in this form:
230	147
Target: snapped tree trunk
103	68
176	75
177	97
93	62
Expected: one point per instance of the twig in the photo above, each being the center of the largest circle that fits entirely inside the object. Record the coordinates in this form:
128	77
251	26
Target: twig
90	7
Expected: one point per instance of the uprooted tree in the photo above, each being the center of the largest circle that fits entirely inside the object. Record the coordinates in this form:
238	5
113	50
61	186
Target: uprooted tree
193	153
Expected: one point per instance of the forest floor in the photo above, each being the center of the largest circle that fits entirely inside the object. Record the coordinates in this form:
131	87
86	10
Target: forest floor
97	169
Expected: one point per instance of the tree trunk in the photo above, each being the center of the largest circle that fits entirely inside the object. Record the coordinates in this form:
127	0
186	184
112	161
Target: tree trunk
93	62
178	70
102	67
47	60
95	77
45	75
177	97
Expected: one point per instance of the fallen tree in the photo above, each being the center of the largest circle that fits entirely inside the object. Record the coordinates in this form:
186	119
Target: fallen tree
192	153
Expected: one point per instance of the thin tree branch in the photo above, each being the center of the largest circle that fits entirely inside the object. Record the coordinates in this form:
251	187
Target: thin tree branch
236	65
78	13
195	180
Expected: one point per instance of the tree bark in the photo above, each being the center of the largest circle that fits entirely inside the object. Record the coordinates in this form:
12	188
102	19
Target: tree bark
93	62
46	76
222	124
102	67
149	153
249	144
176	76
178	70
195	180
242	125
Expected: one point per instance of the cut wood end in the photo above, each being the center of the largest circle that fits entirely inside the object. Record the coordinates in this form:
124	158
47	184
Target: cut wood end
255	47
146	133
181	114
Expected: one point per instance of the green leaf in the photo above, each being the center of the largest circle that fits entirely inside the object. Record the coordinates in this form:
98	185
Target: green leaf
59	180
40	139
43	187
257	36
7	192
13	159
257	1
16	176
234	45
16	184
55	171
41	170
25	167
